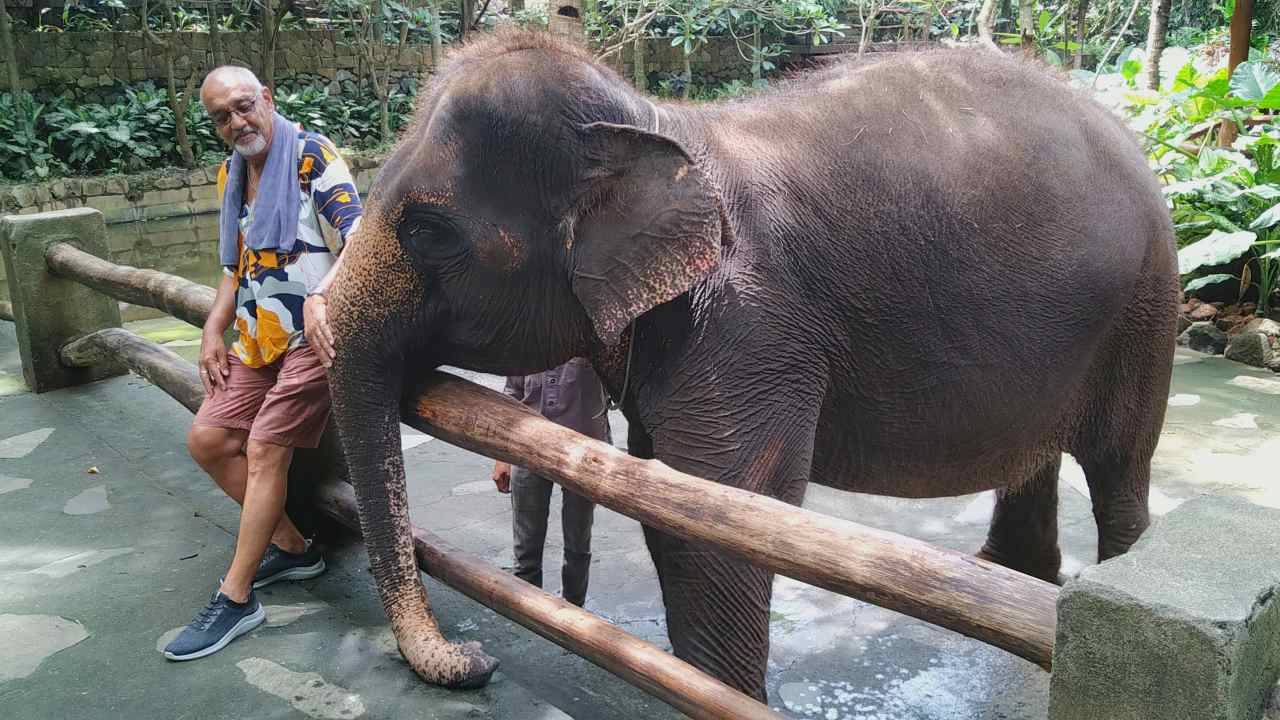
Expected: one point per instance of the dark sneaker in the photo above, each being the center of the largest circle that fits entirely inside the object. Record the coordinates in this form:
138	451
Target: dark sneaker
220	622
279	565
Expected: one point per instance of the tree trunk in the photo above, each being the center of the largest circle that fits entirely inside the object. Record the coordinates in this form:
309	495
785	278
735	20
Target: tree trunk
1133	10
1155	41
178	104
688	78
10	54
272	15
757	61
464	23
639	75
437	49
1027	25
868	20
1241	26
216	56
987	23
1082	15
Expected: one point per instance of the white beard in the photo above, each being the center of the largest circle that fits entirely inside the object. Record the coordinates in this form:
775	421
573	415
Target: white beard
253	147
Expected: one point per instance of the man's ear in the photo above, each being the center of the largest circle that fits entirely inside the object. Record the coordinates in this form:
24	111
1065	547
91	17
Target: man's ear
651	231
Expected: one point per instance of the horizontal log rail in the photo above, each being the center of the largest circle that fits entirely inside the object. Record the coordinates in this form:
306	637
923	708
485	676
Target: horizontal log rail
640	663
179	297
983	600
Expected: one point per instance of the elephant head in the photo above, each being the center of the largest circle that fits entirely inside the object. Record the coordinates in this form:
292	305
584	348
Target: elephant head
530	212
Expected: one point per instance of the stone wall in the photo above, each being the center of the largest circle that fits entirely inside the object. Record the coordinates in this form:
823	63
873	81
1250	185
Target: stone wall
162	220
87	61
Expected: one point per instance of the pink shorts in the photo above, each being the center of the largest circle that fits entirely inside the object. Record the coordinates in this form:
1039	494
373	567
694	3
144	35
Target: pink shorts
285	403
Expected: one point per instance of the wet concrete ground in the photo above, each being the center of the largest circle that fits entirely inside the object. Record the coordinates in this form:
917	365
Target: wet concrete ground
111	539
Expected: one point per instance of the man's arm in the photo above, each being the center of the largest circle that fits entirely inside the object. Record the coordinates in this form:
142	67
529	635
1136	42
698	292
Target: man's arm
213	366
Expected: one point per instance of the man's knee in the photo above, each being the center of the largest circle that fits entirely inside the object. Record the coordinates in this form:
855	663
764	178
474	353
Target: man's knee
211	445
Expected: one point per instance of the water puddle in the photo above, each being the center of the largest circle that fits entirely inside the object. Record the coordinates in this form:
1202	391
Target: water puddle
281	615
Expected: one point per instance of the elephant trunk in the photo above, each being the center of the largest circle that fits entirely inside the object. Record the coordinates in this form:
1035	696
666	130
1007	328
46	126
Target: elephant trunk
366	397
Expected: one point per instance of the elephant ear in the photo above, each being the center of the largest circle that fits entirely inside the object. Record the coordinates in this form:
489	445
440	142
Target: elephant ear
649	230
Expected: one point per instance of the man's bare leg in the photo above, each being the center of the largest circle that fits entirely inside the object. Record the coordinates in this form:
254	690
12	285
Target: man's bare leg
263	507
220	452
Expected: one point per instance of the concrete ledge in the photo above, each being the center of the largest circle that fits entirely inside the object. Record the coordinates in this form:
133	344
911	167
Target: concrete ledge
1186	626
50	311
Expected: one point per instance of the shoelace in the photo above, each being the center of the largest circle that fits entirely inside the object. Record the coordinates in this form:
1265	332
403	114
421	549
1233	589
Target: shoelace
209	614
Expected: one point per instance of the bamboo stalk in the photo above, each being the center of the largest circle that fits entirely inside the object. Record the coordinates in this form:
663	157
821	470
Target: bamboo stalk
640	663
980	599
176	296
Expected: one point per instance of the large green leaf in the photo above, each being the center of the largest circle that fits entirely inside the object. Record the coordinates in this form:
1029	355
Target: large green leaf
1216	249
1253	80
1207	280
1266	219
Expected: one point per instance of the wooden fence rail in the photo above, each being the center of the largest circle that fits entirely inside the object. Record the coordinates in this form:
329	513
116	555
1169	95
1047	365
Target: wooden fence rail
640	663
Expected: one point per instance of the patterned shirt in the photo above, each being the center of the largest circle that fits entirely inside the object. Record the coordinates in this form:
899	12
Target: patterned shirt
272	286
570	395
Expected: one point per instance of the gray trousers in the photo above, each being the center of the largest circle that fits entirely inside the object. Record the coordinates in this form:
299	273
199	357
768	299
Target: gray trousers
530	505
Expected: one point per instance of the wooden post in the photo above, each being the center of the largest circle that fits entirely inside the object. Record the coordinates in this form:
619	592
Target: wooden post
1241	28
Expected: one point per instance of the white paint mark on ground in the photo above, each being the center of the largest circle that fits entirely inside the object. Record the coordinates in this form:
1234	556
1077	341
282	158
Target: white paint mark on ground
978	511
1257	384
9	483
167	638
1239	421
93	500
478	487
31	639
20	446
1184	400
410	439
308	693
281	615
79	561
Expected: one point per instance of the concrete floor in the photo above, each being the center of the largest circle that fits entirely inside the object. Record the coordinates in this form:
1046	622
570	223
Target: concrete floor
111	539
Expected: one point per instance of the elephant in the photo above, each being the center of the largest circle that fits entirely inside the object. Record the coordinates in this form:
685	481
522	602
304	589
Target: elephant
922	276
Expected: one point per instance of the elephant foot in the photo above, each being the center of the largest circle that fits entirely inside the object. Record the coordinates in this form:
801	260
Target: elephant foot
457	666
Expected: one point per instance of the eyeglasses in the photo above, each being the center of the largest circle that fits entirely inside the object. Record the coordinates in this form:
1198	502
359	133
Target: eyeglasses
243	108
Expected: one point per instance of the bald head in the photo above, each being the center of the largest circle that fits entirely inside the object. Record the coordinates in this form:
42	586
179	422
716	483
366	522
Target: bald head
240	108
229	77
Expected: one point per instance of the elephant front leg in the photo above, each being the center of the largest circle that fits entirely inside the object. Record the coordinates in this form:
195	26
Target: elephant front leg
717	612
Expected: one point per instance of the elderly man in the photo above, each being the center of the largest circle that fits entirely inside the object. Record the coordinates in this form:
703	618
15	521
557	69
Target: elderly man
269	394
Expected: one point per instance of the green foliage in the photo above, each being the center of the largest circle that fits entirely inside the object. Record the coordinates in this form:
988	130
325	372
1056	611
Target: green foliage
39	141
1225	202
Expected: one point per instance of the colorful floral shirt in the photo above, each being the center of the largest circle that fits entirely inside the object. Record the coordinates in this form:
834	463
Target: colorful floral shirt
272	286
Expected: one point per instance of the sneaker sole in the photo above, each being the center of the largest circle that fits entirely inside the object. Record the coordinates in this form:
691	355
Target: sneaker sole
246	624
293	573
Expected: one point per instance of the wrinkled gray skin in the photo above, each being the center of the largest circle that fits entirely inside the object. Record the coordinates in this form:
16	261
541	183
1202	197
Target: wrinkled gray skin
922	277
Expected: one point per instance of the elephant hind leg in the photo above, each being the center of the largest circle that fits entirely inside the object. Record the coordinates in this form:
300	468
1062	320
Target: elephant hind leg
1024	527
1119	485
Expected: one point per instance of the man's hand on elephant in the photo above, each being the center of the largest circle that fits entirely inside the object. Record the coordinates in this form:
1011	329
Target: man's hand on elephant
502	476
315	323
213	365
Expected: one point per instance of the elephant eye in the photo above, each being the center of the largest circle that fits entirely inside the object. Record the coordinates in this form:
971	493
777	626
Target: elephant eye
430	236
